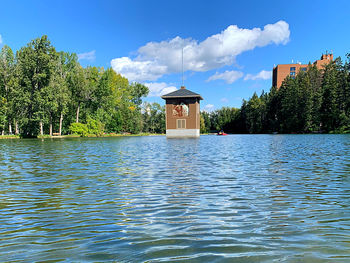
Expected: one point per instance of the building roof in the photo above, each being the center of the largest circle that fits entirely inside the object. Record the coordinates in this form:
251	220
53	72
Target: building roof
182	93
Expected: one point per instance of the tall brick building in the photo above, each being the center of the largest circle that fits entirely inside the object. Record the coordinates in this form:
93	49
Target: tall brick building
281	71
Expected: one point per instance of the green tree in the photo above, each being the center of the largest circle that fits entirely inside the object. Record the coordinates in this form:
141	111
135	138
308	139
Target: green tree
304	105
67	62
7	70
203	129
315	77
35	63
137	92
272	104
77	85
330	104
113	101
207	122
56	94
287	112
255	110
153	117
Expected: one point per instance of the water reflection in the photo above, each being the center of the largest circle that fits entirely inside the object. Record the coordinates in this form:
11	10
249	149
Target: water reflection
258	198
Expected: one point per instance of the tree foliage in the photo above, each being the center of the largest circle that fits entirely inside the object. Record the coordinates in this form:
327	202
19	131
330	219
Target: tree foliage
314	101
153	118
45	91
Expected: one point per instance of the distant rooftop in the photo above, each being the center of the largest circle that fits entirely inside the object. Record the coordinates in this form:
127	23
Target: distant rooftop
182	93
324	58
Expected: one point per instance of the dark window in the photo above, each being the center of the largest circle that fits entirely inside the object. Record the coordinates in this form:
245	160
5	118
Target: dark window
292	68
303	69
293	77
292	73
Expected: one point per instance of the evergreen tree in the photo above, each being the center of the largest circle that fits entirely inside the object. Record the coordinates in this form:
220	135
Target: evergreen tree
271	124
330	103
315	78
254	114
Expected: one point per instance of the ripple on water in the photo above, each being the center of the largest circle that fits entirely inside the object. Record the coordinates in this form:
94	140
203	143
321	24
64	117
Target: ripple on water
246	198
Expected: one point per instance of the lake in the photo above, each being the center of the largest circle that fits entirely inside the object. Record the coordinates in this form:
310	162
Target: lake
236	198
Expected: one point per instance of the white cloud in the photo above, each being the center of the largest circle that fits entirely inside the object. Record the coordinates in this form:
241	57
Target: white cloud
225	100
87	56
208	108
228	76
157	89
156	59
264	74
138	70
0	39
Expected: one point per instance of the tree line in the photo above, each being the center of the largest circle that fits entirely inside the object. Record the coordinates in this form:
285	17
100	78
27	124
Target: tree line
43	91
314	101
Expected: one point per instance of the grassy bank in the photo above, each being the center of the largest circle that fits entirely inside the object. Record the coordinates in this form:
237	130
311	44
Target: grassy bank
9	137
46	136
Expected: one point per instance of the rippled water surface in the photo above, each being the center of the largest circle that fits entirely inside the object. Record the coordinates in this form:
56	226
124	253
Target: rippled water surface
237	198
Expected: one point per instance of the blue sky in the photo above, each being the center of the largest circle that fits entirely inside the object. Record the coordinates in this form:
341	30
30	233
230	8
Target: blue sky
230	47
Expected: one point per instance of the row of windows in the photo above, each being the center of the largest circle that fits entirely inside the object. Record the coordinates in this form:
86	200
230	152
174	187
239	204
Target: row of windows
292	69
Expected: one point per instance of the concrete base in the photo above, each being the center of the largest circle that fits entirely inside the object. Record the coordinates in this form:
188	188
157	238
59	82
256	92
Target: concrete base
182	133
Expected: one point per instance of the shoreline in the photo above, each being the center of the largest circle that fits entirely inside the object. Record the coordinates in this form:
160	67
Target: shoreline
13	137
46	136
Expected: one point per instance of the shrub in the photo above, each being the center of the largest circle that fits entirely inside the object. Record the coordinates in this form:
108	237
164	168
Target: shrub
79	129
95	127
92	127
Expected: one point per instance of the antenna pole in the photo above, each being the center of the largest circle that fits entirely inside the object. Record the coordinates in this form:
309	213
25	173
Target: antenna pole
182	67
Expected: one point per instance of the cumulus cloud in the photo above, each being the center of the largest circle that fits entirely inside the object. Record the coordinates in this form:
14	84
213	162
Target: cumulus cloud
90	56
228	76
156	59
138	70
157	89
208	108
0	40
264	74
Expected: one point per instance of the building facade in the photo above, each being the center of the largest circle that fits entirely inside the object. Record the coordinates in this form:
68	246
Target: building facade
281	71
182	111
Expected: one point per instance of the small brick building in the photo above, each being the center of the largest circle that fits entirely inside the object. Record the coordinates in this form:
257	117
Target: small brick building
182	111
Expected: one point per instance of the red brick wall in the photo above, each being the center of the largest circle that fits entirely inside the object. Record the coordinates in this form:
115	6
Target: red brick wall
193	118
280	72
